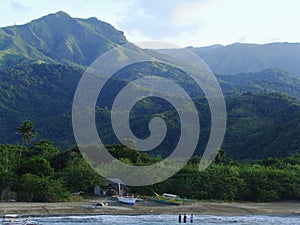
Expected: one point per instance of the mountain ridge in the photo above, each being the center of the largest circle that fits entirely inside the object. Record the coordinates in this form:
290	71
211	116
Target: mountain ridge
58	38
43	61
265	81
245	58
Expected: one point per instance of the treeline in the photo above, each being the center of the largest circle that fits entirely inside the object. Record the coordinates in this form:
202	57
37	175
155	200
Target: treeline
45	173
42	172
271	179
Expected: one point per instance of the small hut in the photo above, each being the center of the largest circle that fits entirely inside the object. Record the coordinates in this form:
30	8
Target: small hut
115	186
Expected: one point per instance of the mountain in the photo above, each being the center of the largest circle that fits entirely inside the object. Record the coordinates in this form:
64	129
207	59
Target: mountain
266	81
57	38
41	93
42	62
259	125
245	58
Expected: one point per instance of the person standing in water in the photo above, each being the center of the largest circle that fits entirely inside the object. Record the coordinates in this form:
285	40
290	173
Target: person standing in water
192	218
184	218
179	218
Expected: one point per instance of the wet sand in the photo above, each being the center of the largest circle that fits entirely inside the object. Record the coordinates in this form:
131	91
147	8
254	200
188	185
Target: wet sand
86	207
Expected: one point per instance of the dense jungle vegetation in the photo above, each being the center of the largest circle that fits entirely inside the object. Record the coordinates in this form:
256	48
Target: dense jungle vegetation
40	171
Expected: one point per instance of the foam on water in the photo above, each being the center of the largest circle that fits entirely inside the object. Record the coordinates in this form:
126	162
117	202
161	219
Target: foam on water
170	219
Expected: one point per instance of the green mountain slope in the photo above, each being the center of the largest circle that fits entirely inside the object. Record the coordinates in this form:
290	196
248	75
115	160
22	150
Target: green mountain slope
36	92
42	64
266	81
259	125
58	38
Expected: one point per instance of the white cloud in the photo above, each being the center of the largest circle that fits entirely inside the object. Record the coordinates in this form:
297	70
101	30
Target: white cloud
206	22
160	19
182	22
19	7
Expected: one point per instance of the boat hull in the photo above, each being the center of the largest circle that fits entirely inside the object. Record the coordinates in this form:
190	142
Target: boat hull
127	200
14	219
167	199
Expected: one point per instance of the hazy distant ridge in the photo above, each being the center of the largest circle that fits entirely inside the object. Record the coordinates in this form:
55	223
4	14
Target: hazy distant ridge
241	58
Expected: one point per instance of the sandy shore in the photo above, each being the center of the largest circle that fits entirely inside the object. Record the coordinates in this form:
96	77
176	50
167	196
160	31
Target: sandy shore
209	208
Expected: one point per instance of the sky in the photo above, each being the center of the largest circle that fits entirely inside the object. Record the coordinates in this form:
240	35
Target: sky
180	22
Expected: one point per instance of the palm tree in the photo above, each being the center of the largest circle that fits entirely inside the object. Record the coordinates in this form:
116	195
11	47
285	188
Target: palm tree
27	132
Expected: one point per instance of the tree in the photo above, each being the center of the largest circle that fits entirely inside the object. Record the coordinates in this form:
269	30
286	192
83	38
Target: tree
9	157
40	189
27	132
44	149
37	166
79	176
221	157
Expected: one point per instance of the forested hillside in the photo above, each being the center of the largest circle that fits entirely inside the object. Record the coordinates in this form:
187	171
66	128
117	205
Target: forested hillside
41	64
259	125
266	81
43	61
57	38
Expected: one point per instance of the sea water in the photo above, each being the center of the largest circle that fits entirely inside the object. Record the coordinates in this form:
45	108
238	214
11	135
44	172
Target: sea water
170	219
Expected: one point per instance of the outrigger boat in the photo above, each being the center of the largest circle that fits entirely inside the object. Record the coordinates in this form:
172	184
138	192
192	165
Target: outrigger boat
129	199
15	219
167	199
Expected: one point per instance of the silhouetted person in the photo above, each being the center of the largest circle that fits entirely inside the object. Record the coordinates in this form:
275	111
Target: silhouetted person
179	218
184	218
192	218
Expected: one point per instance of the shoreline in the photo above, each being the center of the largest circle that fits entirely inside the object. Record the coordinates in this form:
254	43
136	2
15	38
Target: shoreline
85	208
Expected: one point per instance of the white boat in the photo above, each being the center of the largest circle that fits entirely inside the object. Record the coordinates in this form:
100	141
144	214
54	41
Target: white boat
130	200
10	219
15	219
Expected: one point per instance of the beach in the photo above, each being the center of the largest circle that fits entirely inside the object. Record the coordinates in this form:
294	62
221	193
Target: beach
87	207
